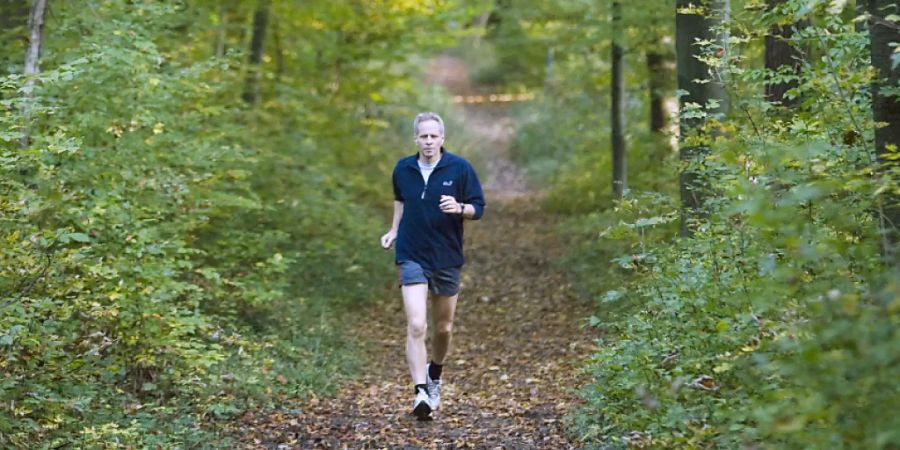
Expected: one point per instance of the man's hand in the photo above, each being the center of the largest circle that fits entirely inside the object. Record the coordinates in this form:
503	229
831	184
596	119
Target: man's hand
387	241
449	205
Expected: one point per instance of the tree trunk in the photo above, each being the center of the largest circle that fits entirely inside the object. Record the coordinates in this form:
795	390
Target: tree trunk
279	50
548	70
221	33
619	175
32	60
482	24
886	110
656	82
257	46
690	28
860	9
780	53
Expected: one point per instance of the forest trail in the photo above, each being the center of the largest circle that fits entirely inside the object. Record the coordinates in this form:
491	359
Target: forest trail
518	342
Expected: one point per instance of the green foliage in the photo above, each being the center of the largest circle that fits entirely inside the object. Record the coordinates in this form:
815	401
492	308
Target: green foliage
562	135
775	324
563	141
526	41
171	256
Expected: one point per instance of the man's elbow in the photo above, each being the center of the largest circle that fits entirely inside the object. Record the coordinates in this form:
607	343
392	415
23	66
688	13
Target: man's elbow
479	211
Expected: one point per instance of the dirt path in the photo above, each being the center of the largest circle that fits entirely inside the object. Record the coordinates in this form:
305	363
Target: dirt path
509	378
518	341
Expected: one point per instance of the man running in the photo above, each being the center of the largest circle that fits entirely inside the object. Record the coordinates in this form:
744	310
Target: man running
434	192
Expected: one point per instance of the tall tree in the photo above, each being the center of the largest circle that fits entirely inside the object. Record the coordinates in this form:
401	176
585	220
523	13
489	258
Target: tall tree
886	111
257	47
780	53
695	24
656	70
221	32
279	51
32	59
548	70
656	28
619	177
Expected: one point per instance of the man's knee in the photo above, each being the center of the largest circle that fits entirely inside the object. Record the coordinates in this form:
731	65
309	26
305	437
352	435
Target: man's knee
444	327
417	329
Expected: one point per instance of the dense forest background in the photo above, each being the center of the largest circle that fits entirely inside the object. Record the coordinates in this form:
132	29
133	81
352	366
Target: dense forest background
191	195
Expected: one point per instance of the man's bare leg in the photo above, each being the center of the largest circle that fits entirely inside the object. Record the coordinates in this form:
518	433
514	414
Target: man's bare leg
415	298
443	312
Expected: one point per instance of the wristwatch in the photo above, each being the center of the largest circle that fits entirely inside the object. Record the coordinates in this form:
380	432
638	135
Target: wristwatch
462	209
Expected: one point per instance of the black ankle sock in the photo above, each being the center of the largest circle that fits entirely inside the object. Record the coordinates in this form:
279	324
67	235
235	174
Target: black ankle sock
434	371
423	387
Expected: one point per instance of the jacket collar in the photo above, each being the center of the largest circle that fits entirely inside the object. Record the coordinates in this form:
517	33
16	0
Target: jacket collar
446	157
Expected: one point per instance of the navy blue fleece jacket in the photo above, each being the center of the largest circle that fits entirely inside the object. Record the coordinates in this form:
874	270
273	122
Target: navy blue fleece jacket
427	235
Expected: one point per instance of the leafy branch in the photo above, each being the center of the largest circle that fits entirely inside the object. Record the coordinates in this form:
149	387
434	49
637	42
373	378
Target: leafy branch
27	286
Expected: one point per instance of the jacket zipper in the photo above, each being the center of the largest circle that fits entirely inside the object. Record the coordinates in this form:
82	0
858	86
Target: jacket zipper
425	186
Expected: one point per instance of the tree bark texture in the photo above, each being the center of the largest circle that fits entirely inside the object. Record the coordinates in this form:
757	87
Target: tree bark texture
860	8
886	110
279	51
482	25
656	84
688	29
221	32
548	70
780	53
32	61
619	175
257	47
35	36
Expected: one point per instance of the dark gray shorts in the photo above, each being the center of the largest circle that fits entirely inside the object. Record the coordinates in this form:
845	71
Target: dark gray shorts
443	282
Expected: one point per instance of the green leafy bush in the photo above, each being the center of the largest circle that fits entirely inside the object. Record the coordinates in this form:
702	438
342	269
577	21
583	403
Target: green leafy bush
172	256
775	324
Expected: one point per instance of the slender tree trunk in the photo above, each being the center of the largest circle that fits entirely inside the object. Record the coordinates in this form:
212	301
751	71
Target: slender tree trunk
221	33
279	50
548	70
32	60
619	175
886	110
482	25
689	28
860	9
657	73
780	53
35	38
257	46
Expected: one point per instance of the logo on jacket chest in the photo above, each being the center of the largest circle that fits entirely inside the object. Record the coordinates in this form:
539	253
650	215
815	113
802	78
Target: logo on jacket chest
448	183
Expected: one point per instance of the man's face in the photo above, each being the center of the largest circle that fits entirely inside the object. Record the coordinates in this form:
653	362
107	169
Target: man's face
429	138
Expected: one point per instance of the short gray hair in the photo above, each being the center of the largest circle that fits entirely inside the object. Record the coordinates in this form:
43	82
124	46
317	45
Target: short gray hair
424	117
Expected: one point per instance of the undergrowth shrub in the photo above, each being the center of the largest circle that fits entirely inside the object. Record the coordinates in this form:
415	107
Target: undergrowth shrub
775	324
172	257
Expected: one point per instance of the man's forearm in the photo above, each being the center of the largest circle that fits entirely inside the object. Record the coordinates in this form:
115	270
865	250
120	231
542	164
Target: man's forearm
398	214
469	211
